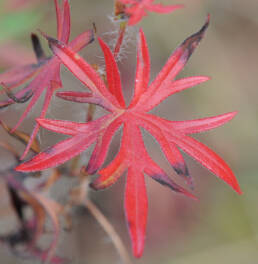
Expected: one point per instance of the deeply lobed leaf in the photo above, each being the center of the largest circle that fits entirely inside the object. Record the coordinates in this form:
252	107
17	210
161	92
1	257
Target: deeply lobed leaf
46	71
132	157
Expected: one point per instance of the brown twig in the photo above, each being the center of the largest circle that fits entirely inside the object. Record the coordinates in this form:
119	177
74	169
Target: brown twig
22	137
90	112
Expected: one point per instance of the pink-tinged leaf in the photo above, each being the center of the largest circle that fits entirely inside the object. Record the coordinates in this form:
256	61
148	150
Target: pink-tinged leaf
48	70
73	128
175	87
58	19
66	22
136	209
82	97
174	65
40	83
113	75
58	154
159	8
32	103
207	158
203	124
19	75
60	126
83	71
34	133
142	70
78	97
82	40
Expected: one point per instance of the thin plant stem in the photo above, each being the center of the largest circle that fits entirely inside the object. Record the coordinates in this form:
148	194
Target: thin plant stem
106	225
90	112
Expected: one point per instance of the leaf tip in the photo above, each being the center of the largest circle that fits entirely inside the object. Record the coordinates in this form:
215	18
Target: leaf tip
234	113
20	167
234	184
207	78
137	251
51	41
192	42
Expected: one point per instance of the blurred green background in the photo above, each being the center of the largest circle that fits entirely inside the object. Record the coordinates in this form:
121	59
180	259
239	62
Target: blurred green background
219	228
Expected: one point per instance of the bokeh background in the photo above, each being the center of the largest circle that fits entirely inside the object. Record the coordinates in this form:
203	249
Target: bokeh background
219	228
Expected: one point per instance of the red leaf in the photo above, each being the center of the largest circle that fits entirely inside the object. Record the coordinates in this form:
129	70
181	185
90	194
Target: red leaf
61	152
84	72
47	70
113	76
58	19
82	40
174	65
204	124
208	159
136	209
48	97
143	69
132	156
82	97
18	75
172	154
65	18
137	9
175	87
101	149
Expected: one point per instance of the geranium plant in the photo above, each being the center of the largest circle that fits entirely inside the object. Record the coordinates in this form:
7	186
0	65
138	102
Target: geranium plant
105	90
